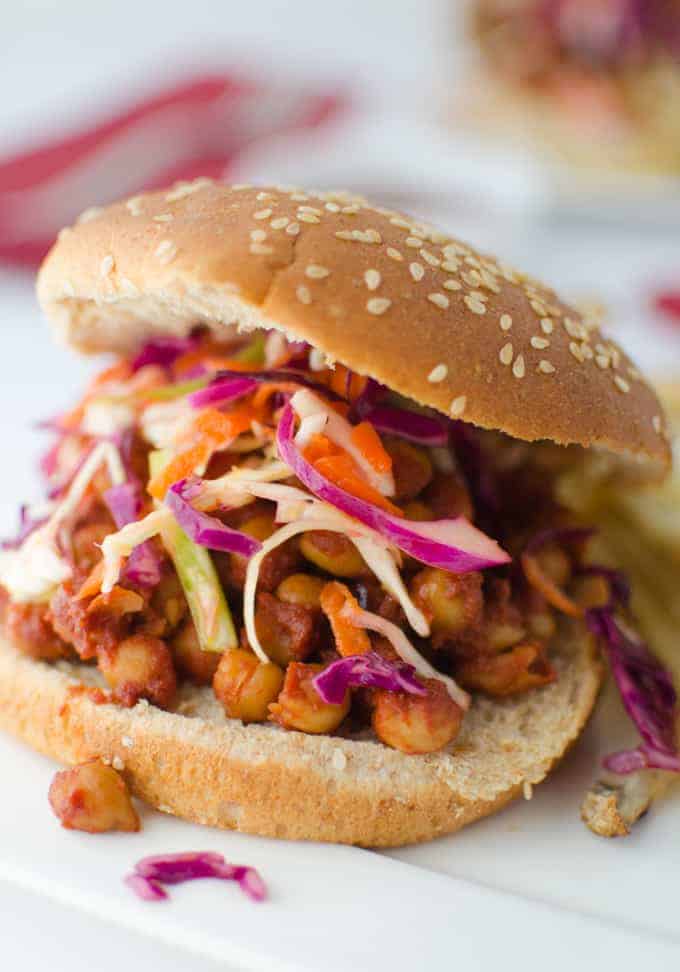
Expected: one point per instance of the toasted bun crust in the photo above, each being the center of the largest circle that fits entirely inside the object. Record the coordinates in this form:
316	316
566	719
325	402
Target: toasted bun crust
424	314
259	779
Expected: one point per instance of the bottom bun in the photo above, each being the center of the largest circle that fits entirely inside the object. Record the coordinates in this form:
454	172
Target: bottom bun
260	779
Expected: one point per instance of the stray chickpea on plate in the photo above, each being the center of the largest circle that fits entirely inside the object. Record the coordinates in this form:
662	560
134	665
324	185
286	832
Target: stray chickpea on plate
306	536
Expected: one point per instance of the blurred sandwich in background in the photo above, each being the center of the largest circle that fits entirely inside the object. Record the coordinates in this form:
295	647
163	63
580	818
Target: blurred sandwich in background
591	82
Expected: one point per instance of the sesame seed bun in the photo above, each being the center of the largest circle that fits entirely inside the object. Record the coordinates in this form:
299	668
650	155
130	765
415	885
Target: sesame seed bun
259	779
413	308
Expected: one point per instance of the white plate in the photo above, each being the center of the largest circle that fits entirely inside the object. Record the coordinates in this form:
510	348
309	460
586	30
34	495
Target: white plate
528	887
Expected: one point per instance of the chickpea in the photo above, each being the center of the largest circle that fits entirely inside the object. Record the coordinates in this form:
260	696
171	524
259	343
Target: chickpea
451	602
94	798
503	621
31	633
411	468
169	601
333	553
287	632
301	589
414	723
417	510
448	496
85	543
140	667
276	565
523	667
192	661
541	624
245	686
591	590
300	706
555	564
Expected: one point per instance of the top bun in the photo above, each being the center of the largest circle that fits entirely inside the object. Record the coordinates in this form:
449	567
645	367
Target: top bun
385	295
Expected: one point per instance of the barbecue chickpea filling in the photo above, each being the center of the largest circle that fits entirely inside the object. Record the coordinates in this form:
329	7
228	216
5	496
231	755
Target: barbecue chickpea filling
236	515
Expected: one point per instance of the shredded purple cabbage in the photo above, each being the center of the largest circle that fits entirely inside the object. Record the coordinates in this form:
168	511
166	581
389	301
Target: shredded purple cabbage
373	392
27	525
369	670
143	567
151	873
163	351
222	391
282	376
453	545
203	529
425	430
145	888
646	688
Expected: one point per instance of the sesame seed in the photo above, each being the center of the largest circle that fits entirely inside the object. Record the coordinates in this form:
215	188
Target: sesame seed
118	764
539	308
372	278
107	265
621	384
351	210
506	354
299	196
413	242
439	300
332	207
574	329
539	343
575	350
451	266
263	195
438	373
166	251
258	235
457	406
430	258
656	424
527	790
316	272
163	218
314	210
127	742
187	188
476	306
345	234
518	368
240	186
262	214
134	205
261	249
505	322
471	278
478	295
398	221
452	284
587	351
472	261
602	361
546	367
547	325
394	254
88	215
279	223
372	236
418	231
453	250
417	270
303	295
378	305
293	229
489	281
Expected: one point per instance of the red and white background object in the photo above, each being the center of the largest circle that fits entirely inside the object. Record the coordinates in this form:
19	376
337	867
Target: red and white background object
196	128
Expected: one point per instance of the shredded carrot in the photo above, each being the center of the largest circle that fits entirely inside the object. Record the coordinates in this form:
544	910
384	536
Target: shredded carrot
346	383
120	371
214	430
343	471
92	583
320	447
551	592
349	640
367	441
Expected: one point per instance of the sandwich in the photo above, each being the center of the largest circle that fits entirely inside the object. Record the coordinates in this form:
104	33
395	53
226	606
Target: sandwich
304	569
593	82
